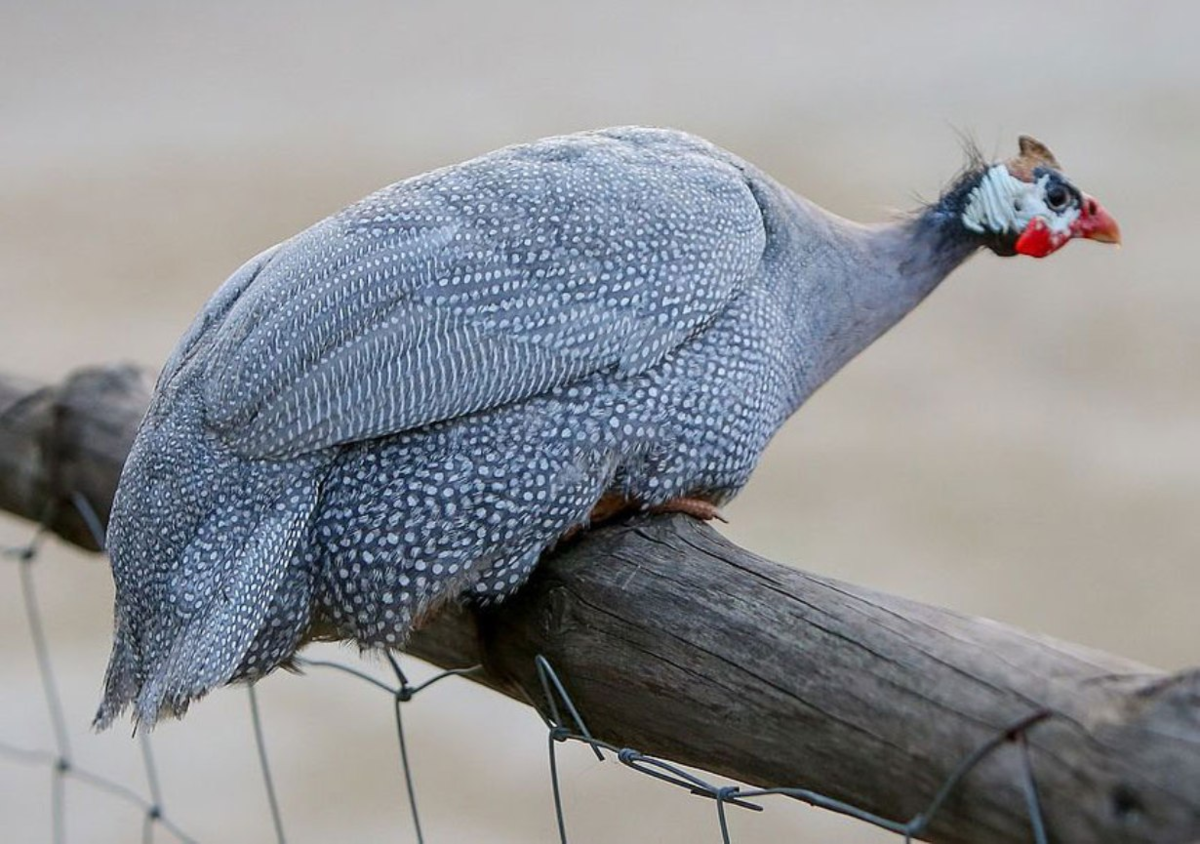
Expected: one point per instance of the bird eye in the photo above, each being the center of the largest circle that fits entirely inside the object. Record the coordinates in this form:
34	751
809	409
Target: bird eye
1057	197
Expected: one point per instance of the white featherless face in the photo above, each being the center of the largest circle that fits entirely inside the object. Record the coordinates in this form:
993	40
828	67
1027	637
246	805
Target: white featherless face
1002	203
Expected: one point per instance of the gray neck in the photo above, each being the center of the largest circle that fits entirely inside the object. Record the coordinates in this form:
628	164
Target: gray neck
842	284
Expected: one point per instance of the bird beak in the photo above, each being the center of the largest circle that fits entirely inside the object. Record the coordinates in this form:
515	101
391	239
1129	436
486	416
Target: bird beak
1095	223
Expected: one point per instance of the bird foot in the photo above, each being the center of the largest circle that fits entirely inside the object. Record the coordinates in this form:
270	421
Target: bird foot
697	508
612	506
607	509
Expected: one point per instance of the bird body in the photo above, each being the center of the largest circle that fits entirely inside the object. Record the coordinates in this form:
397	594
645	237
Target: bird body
412	400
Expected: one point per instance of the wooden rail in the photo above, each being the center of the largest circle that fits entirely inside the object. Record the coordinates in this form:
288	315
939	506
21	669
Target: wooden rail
676	642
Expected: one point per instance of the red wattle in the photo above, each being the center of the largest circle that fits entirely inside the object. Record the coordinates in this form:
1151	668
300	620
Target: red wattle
1037	241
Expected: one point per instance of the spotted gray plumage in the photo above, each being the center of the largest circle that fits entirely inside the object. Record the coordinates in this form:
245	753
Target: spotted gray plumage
413	399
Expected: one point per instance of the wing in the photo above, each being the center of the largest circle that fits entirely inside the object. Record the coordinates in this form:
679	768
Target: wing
479	285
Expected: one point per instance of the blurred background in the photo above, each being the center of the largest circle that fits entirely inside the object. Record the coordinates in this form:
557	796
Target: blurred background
1023	447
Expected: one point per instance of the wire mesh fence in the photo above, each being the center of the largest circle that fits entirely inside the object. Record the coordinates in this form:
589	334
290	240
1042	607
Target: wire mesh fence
60	760
563	721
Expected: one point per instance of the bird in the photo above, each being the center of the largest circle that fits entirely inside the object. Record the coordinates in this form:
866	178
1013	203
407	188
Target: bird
408	403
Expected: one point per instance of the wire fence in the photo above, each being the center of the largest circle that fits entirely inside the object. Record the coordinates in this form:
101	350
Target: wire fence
60	760
564	723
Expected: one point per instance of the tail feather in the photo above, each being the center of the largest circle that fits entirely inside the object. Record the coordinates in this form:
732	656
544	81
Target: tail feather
120	680
184	655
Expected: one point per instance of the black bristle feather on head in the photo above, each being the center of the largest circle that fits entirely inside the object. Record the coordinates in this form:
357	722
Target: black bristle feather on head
946	212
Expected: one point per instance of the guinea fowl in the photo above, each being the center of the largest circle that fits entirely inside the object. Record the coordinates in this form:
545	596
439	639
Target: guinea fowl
409	402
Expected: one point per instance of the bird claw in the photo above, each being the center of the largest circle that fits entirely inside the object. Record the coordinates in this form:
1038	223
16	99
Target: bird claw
697	508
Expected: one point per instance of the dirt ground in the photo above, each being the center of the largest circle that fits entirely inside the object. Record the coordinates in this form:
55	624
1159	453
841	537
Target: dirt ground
1023	447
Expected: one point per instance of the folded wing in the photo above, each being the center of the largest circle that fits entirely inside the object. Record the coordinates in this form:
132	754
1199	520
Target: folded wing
479	285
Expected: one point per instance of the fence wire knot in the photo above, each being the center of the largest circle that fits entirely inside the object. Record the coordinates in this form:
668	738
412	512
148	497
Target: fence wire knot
557	699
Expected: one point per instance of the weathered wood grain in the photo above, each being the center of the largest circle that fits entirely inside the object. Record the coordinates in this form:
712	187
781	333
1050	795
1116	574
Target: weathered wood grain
676	642
66	440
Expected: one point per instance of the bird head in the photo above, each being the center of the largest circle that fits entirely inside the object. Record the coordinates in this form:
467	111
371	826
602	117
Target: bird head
1026	206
